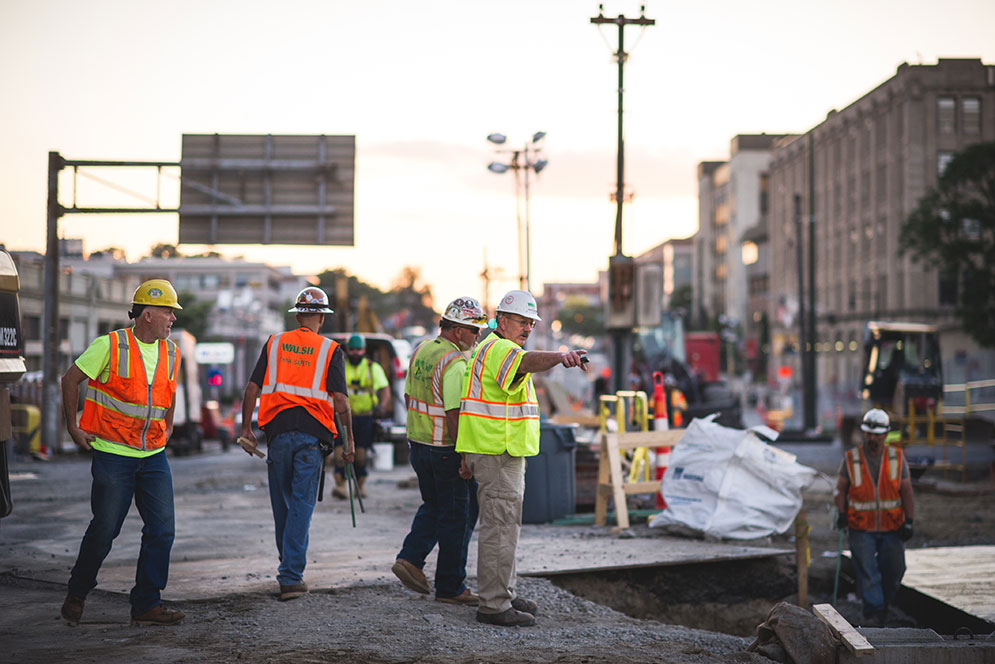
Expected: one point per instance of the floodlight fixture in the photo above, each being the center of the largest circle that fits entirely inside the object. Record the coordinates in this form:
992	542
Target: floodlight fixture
497	139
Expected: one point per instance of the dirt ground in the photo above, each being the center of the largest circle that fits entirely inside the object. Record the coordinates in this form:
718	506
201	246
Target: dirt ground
224	560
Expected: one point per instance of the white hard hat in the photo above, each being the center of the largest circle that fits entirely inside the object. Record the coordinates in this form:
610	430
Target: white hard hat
311	300
519	302
875	421
466	311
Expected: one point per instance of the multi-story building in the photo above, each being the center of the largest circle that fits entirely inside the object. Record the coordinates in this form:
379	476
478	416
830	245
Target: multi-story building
729	278
863	170
89	305
676	260
249	298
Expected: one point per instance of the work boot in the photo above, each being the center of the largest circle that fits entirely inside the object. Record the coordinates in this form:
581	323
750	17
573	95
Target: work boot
340	490
293	592
411	576
159	615
362	486
525	606
509	618
72	608
465	598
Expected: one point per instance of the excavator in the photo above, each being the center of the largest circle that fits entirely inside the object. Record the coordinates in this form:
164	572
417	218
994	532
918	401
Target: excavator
901	368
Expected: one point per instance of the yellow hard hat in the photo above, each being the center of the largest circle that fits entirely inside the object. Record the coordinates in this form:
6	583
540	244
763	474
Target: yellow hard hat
156	293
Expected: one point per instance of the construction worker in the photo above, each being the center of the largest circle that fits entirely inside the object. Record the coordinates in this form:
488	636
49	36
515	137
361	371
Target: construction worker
448	512
874	499
676	402
369	399
301	377
498	429
127	420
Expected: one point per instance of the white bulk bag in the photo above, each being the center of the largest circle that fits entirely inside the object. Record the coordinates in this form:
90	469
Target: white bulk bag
728	483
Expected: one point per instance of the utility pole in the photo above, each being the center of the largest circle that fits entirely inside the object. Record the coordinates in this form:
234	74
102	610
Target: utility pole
620	56
619	265
811	403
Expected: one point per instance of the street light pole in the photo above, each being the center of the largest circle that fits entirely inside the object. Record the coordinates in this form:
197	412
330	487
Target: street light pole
527	159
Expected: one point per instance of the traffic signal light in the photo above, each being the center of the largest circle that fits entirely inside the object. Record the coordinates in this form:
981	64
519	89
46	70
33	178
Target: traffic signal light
214	377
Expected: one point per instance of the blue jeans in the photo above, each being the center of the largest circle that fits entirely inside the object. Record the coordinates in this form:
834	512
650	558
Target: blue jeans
879	560
116	481
447	516
294	463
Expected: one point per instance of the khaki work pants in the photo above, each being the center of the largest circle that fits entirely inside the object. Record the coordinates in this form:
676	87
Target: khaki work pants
500	489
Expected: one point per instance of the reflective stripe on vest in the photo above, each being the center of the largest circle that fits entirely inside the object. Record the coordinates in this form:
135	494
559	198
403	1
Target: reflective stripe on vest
126	409
498	415
870	507
426	422
294	379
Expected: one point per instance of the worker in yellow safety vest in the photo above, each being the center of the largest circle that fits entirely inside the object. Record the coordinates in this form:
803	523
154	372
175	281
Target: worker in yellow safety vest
498	429
126	423
449	510
369	398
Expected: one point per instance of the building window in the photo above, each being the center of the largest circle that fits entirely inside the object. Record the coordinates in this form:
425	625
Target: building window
946	114
750	252
948	288
942	159
970	115
31	328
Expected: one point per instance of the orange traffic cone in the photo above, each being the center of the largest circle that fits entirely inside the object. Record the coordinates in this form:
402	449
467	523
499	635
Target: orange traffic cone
660	423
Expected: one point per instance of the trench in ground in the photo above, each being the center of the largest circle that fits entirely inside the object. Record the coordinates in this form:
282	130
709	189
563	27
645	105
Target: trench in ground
733	597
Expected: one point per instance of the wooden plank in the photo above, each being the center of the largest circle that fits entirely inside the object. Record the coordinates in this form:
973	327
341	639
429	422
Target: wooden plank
844	631
618	493
641	487
604	479
631	441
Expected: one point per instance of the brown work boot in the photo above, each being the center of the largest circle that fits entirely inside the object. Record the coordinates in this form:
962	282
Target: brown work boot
362	486
509	618
466	598
293	592
339	491
411	576
72	608
159	615
525	606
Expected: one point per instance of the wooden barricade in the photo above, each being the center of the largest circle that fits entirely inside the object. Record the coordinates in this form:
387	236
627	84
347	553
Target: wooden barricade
612	483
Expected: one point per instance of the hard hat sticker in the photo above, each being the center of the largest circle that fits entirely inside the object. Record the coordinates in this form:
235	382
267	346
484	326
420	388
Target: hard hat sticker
154	292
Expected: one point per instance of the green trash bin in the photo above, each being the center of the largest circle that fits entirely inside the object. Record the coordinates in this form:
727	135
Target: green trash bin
549	476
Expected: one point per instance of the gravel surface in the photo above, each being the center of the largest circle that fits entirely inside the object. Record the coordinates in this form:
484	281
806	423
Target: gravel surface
224	561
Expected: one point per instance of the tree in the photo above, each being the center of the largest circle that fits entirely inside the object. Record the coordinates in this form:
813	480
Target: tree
193	316
163	250
581	318
681	299
953	230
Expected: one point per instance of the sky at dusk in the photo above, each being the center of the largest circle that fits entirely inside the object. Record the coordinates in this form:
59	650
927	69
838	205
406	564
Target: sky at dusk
421	85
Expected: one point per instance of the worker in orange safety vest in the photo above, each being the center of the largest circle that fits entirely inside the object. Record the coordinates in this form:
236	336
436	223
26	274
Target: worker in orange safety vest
127	420
874	500
300	381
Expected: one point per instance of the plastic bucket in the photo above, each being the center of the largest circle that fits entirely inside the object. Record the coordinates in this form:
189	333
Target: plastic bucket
383	456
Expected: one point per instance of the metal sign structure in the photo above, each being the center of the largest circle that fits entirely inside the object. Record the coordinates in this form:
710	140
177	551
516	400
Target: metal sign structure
267	189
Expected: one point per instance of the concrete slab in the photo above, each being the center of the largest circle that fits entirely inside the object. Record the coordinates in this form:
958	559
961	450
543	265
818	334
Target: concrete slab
961	576
541	556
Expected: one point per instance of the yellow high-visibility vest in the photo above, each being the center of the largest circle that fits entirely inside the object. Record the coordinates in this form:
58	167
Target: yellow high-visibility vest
499	411
426	411
359	381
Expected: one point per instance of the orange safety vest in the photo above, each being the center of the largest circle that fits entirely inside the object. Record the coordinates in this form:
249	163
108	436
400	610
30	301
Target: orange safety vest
869	507
296	375
127	410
